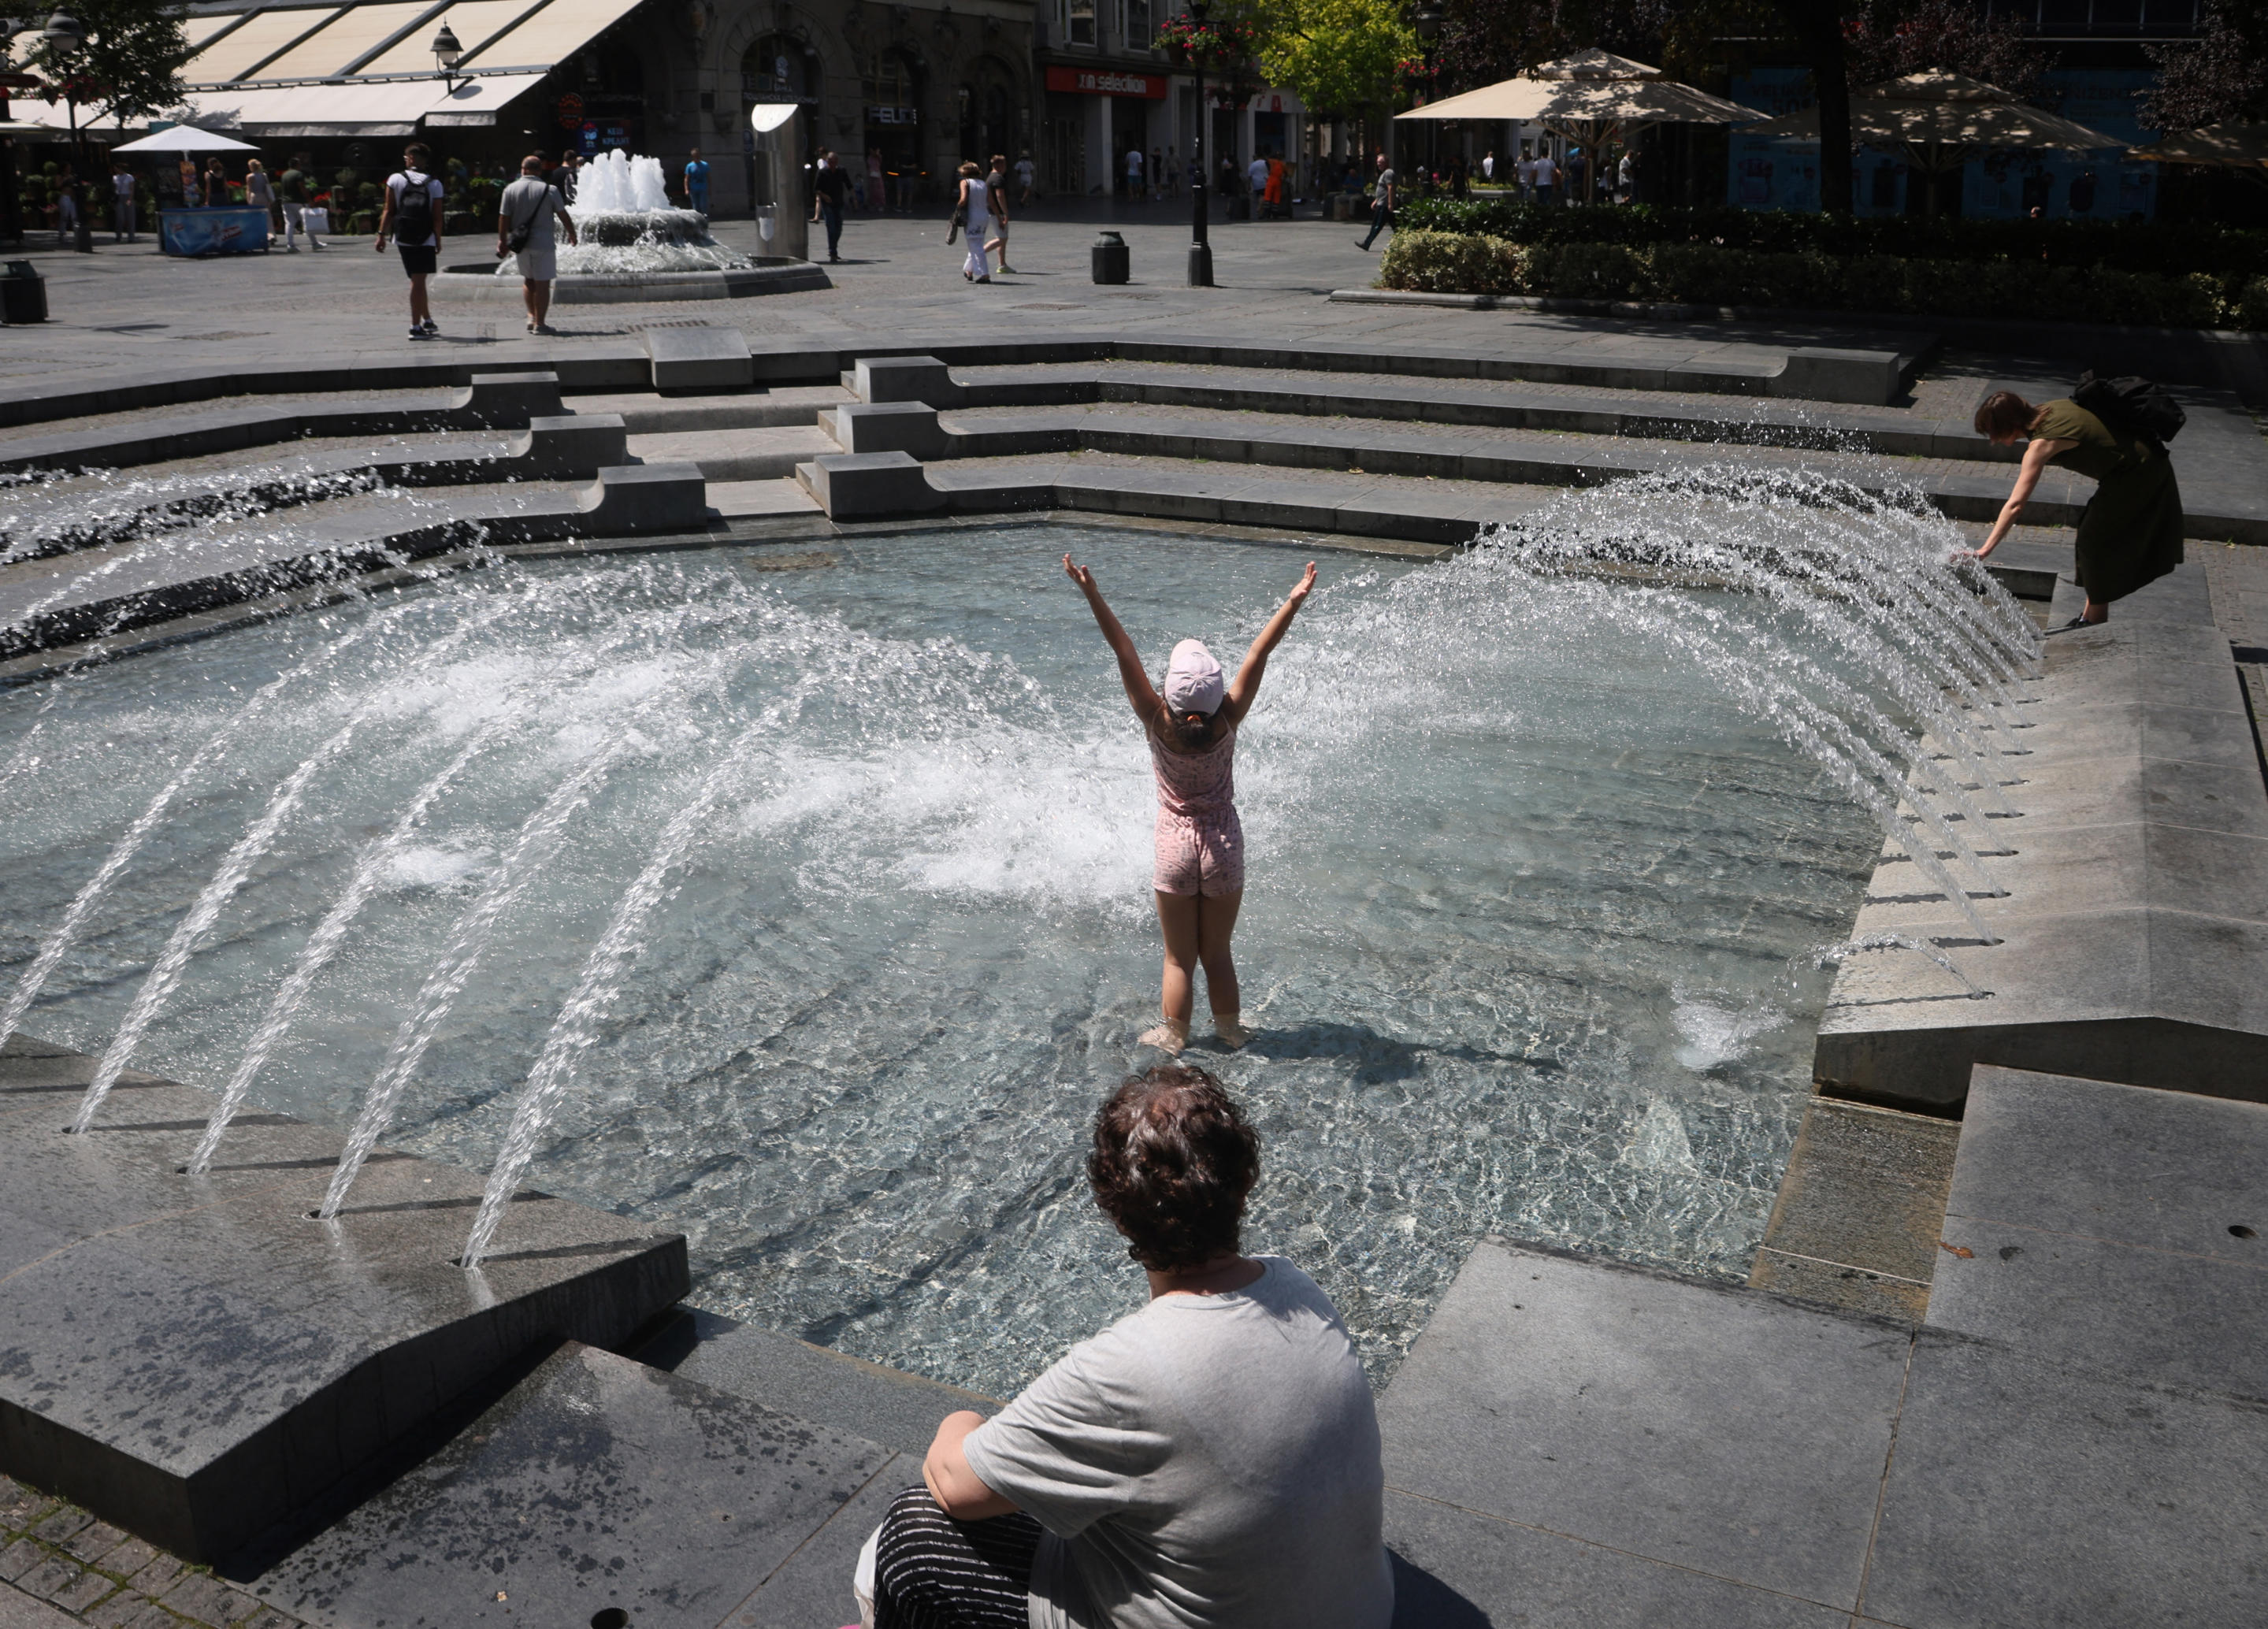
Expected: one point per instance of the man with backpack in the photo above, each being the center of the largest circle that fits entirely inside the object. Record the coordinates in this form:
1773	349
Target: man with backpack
412	218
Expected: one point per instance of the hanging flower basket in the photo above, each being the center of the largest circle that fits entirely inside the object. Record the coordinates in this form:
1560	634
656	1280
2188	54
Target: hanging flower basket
1188	42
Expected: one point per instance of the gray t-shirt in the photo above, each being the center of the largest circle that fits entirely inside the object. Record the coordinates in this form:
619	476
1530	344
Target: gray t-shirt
1210	1460
532	203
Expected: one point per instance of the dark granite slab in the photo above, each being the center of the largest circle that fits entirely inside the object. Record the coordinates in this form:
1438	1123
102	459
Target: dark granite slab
193	1359
1714	1430
599	1483
2025	1492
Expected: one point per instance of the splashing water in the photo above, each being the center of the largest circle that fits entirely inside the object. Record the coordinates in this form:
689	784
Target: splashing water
853	907
1832	955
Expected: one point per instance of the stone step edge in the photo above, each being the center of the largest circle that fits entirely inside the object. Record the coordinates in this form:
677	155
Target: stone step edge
627	501
584	368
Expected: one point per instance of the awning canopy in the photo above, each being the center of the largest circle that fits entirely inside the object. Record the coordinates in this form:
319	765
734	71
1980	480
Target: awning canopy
2245	146
368	108
365	67
1595	87
1939	121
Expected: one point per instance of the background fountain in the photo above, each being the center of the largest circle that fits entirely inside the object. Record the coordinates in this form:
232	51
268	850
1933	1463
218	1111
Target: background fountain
626	223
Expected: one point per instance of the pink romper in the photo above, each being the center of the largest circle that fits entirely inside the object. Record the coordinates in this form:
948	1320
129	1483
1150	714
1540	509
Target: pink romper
1200	840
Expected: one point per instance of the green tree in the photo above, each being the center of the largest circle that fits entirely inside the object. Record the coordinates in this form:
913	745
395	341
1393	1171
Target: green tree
1341	56
130	66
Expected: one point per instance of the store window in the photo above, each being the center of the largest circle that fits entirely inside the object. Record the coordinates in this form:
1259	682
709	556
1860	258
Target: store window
605	84
890	83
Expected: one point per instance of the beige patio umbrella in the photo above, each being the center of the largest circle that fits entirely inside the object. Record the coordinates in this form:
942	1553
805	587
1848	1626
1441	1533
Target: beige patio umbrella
1593	99
1939	121
2242	147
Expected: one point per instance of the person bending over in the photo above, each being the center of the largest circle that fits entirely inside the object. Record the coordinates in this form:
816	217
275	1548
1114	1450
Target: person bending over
1199	876
1210	1459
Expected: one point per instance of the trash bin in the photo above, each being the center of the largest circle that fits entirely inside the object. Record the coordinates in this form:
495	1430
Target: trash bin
22	293
1111	260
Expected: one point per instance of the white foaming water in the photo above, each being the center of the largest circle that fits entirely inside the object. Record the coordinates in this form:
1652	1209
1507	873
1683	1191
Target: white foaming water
1716	1033
620	182
814	923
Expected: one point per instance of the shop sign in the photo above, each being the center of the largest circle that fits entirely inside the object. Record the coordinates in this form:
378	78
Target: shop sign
571	112
892	115
1103	82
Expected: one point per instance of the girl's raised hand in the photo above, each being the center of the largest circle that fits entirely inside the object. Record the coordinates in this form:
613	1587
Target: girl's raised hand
1299	590
1079	574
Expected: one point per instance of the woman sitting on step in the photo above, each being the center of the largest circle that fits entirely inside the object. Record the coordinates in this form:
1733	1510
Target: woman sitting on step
2131	532
1211	1459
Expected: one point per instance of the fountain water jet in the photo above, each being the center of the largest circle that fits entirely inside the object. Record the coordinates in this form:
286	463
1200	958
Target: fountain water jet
61	936
1830	956
152	997
575	1029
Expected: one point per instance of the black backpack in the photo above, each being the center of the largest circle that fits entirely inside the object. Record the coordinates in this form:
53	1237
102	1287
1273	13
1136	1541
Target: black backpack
413	216
2132	407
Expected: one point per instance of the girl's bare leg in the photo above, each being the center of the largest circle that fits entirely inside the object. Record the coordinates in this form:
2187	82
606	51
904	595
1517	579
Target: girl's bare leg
1216	921
1177	917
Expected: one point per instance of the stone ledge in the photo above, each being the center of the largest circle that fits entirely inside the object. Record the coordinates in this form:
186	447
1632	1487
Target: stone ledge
270	1354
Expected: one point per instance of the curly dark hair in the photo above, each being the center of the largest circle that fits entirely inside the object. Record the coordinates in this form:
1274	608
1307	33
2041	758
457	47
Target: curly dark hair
1172	1164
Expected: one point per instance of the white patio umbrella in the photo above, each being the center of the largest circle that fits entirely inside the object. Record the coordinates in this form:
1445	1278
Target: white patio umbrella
1939	121
2241	147
186	138
1593	99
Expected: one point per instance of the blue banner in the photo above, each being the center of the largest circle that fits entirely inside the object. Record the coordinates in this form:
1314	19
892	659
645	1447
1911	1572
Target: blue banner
213	231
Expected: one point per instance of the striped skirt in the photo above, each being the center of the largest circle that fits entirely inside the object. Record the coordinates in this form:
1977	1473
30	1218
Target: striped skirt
931	1572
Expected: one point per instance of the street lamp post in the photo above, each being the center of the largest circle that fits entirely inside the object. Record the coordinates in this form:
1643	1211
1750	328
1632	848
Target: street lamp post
64	32
446	54
1428	23
1200	248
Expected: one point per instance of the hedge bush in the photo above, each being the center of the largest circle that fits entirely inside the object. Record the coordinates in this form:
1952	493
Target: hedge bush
2164	248
1703	274
1453	263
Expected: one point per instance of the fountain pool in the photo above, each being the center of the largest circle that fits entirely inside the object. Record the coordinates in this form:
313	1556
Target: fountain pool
1526	881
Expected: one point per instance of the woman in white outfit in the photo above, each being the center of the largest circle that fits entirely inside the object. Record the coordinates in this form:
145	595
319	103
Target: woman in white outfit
975	204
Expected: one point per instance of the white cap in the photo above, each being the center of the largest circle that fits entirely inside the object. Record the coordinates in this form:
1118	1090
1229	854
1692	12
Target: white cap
1194	682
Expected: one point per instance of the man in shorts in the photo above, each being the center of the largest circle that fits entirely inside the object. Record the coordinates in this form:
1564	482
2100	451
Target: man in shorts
412	218
696	183
291	193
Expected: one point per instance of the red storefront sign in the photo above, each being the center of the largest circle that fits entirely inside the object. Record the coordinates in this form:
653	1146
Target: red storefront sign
1103	82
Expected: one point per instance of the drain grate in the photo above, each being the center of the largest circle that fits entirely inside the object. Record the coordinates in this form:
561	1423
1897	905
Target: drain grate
672	322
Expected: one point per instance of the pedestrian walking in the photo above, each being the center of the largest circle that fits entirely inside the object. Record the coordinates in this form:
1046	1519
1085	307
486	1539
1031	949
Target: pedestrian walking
1546	174
1134	174
977	219
830	189
412	218
570	170
121	203
1488	166
216	183
524	218
876	185
996	192
1028	175
696	183
1524	176
291	193
1255	183
66	207
258	191
1382	204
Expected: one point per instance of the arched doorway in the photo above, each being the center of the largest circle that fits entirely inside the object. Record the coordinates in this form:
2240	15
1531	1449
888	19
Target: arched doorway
891	81
988	113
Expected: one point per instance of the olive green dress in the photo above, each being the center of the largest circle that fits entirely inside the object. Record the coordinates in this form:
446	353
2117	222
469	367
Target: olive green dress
2131	532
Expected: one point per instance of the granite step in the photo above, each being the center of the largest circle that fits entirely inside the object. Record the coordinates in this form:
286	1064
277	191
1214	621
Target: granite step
752	453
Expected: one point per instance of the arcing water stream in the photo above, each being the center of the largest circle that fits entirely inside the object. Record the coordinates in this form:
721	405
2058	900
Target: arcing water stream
842	873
